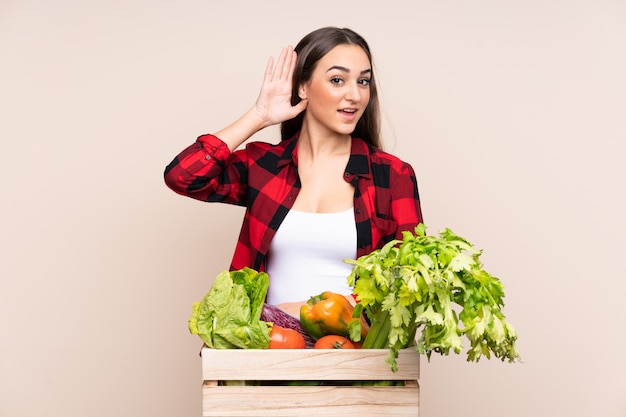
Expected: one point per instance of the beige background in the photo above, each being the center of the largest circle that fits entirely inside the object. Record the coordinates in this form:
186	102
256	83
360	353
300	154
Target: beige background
512	113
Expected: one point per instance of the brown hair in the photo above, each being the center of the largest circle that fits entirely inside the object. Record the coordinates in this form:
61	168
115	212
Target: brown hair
310	50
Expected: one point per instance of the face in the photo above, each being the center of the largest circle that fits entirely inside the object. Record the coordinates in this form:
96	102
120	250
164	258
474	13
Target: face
339	90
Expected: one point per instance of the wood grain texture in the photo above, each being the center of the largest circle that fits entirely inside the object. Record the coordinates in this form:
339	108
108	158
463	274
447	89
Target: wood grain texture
302	364
310	401
333	398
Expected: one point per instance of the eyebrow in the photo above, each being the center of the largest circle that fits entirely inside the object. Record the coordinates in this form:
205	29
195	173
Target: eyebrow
344	69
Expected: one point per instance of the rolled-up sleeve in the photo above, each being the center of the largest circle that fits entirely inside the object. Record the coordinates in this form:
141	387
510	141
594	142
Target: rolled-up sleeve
203	171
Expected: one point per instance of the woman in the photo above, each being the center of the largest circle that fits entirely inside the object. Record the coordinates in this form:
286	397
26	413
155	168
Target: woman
325	192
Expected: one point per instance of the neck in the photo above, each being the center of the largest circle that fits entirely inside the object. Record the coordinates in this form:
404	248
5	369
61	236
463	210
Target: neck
316	144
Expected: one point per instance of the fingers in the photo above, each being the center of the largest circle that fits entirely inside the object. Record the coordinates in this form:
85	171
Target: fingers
292	64
269	68
273	103
285	65
289	64
282	58
301	106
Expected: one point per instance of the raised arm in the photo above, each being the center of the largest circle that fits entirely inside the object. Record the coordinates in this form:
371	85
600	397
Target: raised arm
203	171
273	104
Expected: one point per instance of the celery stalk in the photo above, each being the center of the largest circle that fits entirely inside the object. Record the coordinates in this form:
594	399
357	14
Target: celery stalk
378	334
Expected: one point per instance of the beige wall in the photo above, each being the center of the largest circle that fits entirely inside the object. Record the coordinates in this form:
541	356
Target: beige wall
512	113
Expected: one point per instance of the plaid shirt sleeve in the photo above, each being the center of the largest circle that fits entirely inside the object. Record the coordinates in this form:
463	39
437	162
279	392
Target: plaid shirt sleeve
260	177
207	171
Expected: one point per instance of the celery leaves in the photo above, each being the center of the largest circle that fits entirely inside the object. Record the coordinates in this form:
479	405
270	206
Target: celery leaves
436	285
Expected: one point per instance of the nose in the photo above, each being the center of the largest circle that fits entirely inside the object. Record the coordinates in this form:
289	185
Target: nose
353	93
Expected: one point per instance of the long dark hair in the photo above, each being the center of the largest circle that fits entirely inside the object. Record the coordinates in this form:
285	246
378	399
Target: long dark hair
310	50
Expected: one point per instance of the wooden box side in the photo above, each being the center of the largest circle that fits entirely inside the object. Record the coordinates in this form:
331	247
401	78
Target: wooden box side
307	364
301	401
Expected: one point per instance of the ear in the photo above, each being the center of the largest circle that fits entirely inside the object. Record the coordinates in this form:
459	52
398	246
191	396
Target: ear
302	91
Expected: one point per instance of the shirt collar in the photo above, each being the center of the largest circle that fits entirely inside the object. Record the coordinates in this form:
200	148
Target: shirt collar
358	163
289	154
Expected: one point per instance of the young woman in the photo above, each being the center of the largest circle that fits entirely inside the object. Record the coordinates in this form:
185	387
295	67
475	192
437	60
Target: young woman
326	192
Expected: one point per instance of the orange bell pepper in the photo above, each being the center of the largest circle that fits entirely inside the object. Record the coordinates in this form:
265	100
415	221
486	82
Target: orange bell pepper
329	313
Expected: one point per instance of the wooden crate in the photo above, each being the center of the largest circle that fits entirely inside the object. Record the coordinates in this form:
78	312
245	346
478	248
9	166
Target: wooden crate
332	366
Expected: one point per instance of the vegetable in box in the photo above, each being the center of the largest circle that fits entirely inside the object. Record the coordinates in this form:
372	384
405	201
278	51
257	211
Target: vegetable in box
229	315
419	283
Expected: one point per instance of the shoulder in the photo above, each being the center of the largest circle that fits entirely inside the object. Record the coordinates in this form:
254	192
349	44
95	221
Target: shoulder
271	157
262	147
378	157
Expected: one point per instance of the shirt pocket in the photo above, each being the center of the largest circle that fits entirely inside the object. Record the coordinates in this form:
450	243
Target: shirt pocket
383	230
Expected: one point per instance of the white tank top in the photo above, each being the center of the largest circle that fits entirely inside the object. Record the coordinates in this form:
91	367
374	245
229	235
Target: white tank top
306	255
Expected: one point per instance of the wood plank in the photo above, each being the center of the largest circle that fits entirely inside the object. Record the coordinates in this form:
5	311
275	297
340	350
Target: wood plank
322	401
307	364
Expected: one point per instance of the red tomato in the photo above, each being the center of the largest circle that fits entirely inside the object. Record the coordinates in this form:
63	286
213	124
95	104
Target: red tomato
332	341
282	338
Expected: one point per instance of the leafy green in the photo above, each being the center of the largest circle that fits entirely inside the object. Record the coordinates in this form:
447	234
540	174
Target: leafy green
229	315
419	283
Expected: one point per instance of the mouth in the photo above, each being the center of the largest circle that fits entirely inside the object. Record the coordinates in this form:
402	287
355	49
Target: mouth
349	114
348	110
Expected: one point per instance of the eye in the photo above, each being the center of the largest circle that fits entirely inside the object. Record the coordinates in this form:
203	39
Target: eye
365	82
336	80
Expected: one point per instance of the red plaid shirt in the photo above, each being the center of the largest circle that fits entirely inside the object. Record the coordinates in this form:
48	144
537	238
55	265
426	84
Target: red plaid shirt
263	177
